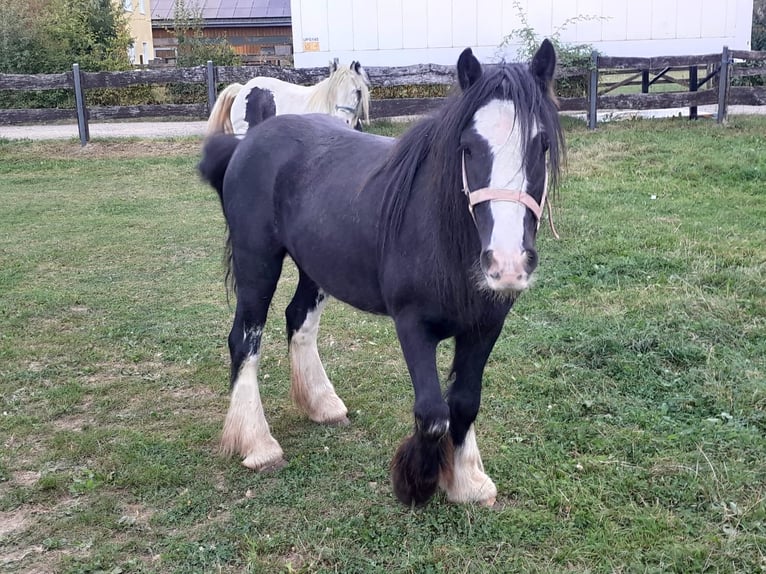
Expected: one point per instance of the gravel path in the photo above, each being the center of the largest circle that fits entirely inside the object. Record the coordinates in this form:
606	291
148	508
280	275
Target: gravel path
105	130
197	128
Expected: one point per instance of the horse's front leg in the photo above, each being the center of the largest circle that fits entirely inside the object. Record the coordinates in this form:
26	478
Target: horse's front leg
462	476
416	464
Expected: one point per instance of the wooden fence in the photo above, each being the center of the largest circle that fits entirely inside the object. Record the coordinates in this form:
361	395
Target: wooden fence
714	87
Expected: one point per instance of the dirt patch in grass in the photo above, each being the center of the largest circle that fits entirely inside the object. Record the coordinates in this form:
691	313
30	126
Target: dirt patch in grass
117	149
14	521
73	422
25	478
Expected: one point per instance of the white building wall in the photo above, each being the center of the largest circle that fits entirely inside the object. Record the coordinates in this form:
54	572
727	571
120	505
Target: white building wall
404	32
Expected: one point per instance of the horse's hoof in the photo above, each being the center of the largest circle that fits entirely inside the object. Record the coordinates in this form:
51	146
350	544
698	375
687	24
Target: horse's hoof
339	422
272	465
411	482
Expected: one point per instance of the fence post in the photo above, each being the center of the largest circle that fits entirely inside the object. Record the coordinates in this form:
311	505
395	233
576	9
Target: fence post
723	85
693	85
210	86
593	90
82	113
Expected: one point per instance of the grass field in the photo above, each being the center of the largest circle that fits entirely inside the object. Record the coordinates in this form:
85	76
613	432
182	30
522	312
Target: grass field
623	417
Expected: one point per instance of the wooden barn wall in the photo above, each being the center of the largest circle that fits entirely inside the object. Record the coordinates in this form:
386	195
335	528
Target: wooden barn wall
263	42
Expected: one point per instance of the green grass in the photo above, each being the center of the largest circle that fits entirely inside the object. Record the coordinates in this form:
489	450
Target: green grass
622	418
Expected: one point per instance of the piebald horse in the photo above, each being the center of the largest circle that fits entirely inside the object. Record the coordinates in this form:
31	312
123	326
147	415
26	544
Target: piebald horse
436	230
344	94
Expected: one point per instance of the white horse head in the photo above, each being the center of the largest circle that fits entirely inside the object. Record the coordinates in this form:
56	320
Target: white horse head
345	94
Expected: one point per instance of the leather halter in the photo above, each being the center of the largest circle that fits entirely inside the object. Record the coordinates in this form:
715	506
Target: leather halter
517	196
348	109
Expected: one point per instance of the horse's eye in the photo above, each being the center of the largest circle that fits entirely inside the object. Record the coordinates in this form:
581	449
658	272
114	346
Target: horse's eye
359	94
545	142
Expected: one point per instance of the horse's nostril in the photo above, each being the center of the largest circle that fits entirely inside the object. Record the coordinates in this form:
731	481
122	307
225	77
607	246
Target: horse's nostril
486	259
531	256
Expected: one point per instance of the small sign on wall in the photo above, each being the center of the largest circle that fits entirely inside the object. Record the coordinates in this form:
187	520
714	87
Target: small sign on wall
311	44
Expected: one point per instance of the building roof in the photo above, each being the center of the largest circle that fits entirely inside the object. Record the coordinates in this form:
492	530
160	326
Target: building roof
230	10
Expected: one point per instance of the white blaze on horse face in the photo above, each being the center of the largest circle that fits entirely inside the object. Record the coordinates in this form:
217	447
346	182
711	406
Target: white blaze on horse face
496	123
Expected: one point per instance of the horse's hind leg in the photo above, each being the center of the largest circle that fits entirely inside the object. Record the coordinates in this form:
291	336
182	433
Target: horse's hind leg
310	389
246	431
462	476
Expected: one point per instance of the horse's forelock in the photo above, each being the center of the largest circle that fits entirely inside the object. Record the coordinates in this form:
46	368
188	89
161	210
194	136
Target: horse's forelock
507	82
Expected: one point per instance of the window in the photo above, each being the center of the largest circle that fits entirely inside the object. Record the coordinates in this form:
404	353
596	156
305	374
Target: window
128	5
141	8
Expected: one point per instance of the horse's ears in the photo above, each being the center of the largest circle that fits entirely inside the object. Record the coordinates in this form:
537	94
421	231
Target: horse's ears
333	66
468	69
544	64
357	68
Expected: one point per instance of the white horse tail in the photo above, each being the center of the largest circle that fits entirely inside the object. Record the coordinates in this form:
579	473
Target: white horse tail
220	116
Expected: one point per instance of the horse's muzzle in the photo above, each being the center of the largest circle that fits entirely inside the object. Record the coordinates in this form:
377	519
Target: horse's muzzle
508	271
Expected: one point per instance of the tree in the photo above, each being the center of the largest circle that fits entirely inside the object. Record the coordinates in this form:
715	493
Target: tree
194	49
21	38
93	33
49	36
759	25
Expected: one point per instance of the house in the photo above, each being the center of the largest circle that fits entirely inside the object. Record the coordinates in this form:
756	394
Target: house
139	19
404	32
258	30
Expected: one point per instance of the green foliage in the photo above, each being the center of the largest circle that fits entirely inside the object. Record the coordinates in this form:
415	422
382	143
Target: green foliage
49	37
758	42
92	33
193	48
759	25
21	38
526	41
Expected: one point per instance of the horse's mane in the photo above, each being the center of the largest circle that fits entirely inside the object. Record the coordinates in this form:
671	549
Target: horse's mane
433	145
324	94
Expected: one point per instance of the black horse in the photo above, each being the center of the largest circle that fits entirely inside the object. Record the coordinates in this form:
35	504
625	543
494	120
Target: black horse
436	229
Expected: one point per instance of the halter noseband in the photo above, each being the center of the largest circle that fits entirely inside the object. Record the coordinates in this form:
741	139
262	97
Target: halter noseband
348	109
516	196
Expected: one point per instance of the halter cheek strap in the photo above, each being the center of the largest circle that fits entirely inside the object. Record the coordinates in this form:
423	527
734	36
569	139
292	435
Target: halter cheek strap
348	109
516	196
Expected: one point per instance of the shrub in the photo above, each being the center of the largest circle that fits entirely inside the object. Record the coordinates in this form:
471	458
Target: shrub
568	55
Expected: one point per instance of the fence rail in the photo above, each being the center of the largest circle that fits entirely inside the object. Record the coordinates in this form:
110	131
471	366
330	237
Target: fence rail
713	88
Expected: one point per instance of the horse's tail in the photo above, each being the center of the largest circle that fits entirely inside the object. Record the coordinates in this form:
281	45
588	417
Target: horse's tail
216	155
220	116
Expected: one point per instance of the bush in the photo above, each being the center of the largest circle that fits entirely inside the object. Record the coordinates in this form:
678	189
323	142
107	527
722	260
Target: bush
759	26
568	56
48	37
